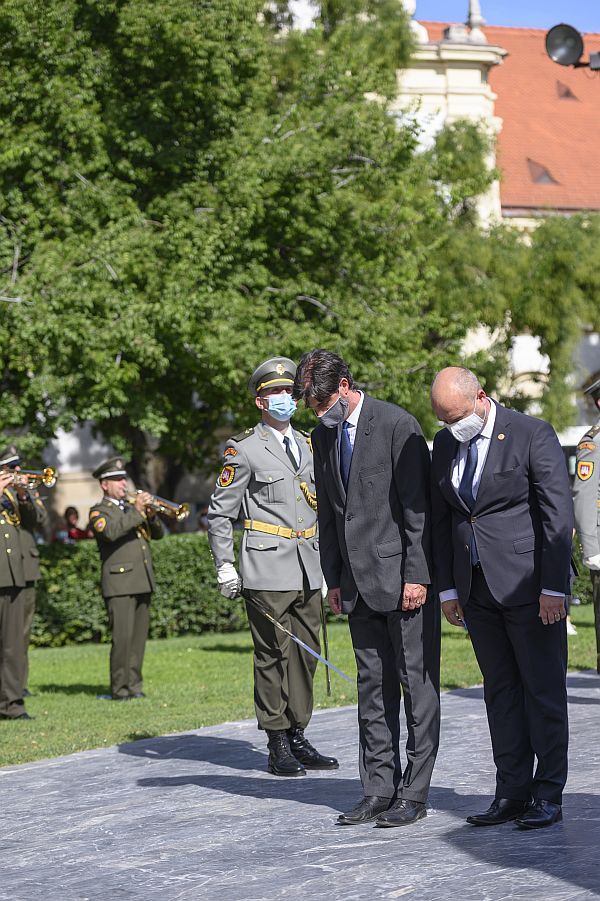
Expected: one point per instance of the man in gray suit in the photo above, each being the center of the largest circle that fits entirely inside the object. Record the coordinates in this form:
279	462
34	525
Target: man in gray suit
502	527
372	478
268	474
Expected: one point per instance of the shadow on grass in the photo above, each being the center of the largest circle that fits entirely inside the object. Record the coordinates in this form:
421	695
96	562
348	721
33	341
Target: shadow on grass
228	649
78	688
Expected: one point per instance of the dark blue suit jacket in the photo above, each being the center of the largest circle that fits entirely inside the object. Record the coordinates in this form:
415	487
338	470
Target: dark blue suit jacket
522	519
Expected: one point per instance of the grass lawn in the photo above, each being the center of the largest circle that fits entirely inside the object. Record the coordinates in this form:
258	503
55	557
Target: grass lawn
193	682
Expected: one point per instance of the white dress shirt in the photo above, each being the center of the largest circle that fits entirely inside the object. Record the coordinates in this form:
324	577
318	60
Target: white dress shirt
289	433
353	420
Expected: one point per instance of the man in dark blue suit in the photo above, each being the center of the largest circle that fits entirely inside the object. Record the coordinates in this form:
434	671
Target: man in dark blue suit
502	526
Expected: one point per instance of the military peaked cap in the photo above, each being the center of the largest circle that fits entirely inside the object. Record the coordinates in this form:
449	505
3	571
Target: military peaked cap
110	469
10	456
594	390
272	373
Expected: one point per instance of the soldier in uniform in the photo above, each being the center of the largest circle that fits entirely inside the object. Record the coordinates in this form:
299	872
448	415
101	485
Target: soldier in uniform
587	505
34	518
16	508
123	531
268	473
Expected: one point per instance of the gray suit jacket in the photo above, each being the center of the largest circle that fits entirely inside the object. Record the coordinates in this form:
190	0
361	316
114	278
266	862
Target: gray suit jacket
586	492
376	537
259	481
522	519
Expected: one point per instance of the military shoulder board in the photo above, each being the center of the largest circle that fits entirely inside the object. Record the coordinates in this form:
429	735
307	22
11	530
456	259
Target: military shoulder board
245	434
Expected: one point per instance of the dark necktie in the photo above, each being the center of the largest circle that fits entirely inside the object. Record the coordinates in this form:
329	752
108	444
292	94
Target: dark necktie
465	489
290	452
345	453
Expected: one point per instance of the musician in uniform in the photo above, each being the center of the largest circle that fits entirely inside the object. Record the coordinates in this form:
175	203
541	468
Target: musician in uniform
34	519
268	473
586	497
16	510
123	530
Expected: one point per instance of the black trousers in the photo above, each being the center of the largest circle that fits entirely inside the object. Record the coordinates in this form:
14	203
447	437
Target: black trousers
524	666
397	654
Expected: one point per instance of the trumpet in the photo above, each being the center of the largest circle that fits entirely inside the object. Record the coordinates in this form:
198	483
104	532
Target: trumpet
34	478
167	508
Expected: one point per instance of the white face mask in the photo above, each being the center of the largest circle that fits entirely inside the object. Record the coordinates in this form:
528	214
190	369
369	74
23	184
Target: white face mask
466	428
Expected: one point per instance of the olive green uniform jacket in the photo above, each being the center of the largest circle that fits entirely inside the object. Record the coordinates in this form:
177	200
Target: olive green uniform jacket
12	550
34	517
123	539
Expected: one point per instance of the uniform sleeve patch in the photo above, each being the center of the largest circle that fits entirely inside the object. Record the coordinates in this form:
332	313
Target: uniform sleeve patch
230	452
226	476
99	524
586	445
585	469
94	513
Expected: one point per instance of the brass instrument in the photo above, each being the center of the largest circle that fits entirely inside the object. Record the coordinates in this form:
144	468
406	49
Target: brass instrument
167	508
34	478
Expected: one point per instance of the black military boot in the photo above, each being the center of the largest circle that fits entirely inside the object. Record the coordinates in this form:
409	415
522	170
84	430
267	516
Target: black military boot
304	752
281	760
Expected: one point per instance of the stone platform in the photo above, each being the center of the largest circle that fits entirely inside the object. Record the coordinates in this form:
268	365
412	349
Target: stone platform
195	816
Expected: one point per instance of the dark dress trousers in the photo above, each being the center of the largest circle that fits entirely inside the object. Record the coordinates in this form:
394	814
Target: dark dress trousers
374	537
12	610
521	523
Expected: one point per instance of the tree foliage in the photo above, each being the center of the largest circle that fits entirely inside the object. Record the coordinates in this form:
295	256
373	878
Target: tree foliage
189	187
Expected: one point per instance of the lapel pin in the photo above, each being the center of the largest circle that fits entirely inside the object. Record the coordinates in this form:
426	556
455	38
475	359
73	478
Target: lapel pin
501	436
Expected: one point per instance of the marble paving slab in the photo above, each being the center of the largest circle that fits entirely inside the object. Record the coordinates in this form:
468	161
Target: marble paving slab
196	815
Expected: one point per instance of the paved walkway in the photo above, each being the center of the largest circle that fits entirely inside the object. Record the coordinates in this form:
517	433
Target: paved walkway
196	816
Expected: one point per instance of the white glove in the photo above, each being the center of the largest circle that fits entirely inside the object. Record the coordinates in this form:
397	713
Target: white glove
592	562
230	584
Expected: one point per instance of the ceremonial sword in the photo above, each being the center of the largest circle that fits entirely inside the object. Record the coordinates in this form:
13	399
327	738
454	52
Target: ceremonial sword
295	638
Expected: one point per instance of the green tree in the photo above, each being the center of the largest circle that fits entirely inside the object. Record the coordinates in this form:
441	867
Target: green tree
187	188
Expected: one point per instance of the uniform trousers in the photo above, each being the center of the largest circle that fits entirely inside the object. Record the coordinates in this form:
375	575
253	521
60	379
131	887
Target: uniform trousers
28	614
129	618
524	666
595	574
283	671
12	657
397	654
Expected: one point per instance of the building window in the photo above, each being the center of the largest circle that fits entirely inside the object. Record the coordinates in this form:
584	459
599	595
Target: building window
564	92
539	174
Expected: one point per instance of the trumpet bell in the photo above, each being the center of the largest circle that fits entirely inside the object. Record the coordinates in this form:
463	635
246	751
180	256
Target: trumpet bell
183	512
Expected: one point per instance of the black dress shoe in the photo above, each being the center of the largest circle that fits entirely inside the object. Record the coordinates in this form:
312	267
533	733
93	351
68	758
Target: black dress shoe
368	809
501	810
138	694
21	716
402	813
281	760
305	754
540	814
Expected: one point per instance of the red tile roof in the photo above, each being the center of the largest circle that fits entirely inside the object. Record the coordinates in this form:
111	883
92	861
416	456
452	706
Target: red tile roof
545	134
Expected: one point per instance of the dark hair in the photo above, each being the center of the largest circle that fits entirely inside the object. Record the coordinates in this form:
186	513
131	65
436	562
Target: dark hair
318	376
69	512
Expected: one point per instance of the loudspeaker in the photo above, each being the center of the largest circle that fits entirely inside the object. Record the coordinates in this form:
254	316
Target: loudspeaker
564	45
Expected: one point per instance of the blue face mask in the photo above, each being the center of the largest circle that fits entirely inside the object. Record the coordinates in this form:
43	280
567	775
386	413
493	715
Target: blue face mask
282	406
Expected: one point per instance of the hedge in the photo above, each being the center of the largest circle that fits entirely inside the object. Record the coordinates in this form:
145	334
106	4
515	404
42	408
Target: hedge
70	608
